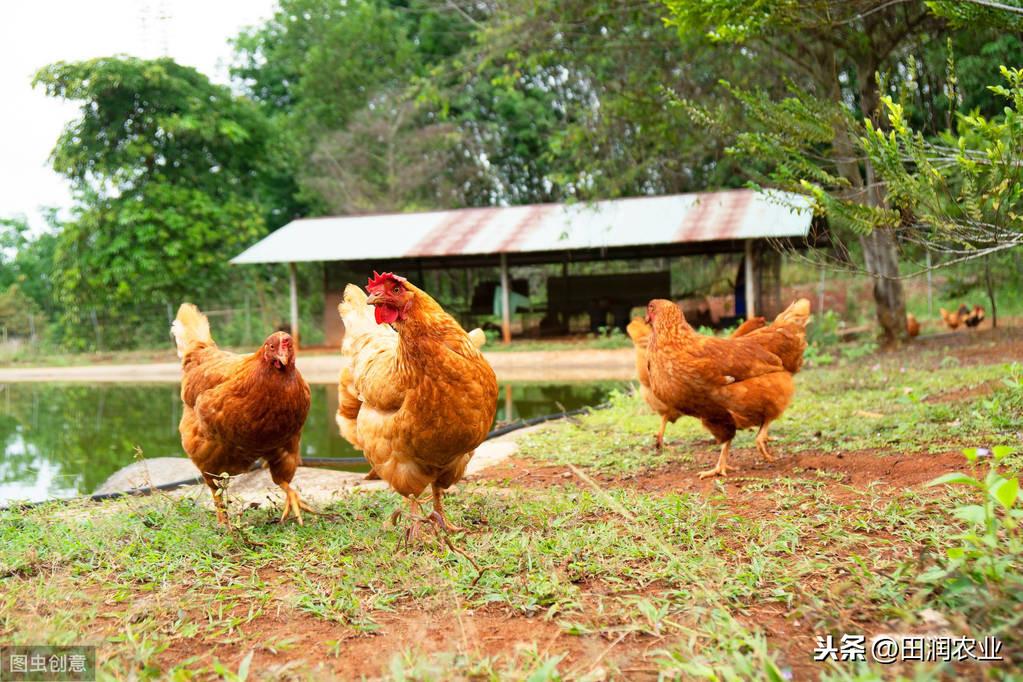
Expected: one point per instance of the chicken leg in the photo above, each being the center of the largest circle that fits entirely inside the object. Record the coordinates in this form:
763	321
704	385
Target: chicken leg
660	434
438	512
761	440
721	468
293	503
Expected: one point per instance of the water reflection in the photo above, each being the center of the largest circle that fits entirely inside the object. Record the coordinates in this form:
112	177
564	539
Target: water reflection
59	440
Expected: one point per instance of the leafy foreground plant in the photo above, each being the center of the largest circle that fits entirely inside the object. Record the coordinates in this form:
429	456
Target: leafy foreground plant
982	576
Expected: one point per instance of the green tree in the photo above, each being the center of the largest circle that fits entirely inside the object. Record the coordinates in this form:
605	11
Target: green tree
604	68
26	262
172	176
960	194
837	51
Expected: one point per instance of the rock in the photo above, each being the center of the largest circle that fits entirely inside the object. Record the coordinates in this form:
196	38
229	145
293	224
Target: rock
149	472
318	487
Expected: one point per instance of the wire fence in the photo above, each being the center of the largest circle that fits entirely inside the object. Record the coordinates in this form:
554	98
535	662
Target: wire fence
147	326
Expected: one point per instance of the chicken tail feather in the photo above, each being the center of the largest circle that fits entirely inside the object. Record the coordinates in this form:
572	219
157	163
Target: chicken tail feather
639	331
797	313
189	328
478	337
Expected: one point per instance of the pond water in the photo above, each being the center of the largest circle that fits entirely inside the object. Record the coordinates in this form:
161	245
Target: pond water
61	440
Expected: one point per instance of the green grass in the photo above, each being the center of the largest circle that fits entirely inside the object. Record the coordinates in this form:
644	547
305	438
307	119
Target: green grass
684	563
619	582
884	404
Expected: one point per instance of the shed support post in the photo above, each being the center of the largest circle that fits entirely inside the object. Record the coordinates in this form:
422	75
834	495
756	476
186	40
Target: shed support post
293	282
751	309
505	300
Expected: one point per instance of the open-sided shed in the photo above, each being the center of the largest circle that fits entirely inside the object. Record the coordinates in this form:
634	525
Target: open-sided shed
731	221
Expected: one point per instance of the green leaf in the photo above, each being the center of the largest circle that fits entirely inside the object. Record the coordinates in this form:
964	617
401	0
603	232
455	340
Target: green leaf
1000	451
971	513
1005	491
955	478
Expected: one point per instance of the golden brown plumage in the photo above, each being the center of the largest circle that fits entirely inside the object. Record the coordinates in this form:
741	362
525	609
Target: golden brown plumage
786	336
239	408
417	398
727	384
639	332
750	325
912	325
954	320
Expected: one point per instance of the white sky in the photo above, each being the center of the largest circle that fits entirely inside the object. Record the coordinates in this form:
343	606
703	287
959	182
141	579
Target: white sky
37	32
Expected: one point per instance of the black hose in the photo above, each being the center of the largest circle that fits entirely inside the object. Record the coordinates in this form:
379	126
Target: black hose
500	431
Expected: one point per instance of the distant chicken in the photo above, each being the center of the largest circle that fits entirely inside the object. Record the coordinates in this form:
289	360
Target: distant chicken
954	320
975	317
728	384
912	326
240	408
415	393
639	331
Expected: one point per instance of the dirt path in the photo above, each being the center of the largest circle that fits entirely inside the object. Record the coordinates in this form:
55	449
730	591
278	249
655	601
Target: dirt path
557	365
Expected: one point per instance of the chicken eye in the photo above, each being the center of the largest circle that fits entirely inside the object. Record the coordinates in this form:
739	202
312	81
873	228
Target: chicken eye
397	289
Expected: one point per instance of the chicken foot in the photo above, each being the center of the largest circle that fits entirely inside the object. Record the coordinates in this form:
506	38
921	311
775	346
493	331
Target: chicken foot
441	526
722	467
293	503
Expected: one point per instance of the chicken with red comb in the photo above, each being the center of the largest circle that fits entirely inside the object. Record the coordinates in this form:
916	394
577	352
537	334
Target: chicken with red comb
415	393
240	408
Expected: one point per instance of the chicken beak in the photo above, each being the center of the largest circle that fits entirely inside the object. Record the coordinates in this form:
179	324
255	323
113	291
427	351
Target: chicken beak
282	357
373	299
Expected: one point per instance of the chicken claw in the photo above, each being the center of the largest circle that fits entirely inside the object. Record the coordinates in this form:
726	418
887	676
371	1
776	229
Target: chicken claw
721	468
417	519
762	439
293	503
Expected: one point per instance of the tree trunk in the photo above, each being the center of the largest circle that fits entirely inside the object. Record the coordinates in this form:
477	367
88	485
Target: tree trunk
990	291
882	261
880	253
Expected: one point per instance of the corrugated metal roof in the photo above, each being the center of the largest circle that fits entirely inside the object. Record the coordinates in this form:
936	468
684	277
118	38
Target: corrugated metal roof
678	218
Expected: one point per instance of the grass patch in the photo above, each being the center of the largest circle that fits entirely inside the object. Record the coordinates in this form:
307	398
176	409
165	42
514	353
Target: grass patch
582	580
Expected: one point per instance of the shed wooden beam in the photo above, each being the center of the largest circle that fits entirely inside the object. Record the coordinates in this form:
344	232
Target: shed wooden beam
751	309
505	300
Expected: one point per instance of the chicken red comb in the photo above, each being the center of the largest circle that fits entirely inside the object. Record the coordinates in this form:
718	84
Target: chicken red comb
379	280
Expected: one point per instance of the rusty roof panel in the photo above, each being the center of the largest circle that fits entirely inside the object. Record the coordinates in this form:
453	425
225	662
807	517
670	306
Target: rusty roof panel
639	221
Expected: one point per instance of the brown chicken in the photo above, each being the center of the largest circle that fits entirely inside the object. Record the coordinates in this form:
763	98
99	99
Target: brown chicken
912	325
415	393
728	384
639	332
240	408
954	320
